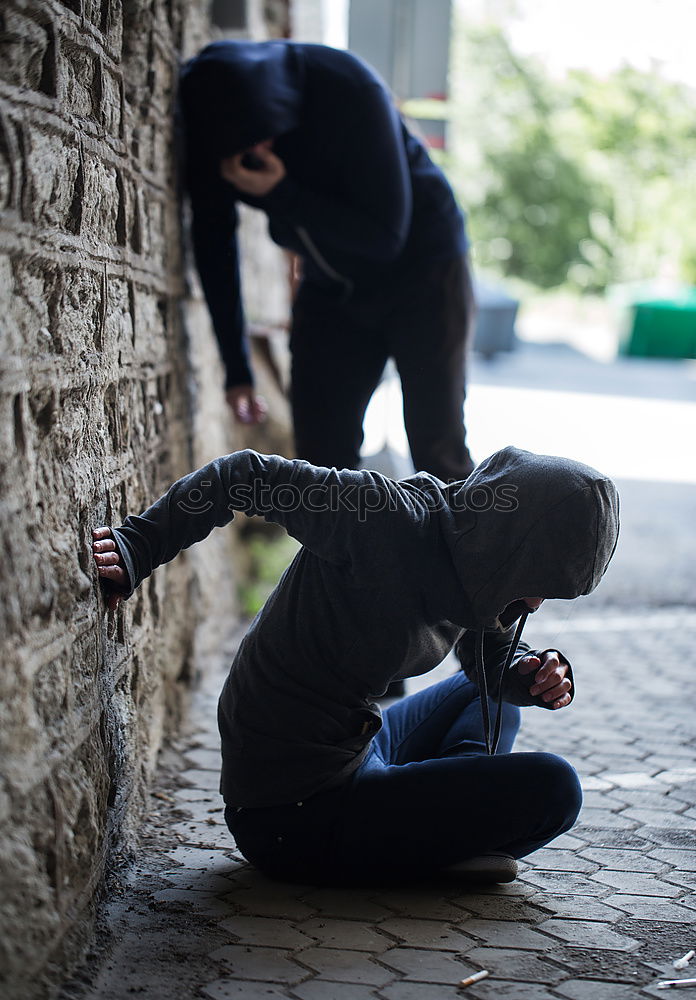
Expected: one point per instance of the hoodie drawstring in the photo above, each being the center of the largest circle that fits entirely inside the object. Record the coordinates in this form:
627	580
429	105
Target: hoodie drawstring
492	742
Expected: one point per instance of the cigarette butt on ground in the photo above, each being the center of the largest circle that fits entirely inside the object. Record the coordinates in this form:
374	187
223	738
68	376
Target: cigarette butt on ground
476	978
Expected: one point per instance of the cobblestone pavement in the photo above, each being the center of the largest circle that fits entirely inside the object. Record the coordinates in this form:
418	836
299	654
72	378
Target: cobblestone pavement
598	915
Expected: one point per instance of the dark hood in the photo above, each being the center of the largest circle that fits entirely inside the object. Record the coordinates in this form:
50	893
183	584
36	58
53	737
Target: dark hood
526	525
234	94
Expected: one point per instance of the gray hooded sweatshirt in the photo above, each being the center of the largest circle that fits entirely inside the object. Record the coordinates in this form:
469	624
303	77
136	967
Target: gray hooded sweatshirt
389	577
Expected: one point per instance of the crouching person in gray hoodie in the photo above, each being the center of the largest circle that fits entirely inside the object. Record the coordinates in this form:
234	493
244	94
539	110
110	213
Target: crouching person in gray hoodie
321	786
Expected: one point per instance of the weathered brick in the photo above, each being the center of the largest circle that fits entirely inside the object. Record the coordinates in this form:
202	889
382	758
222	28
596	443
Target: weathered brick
111	110
101	199
79	80
53	180
26	47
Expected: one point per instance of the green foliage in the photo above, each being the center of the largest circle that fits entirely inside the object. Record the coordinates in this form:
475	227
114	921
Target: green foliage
269	554
541	201
584	180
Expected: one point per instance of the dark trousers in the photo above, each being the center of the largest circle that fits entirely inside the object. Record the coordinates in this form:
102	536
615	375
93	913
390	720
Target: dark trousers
426	797
339	350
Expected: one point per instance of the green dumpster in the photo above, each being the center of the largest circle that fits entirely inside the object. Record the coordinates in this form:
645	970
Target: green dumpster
663	328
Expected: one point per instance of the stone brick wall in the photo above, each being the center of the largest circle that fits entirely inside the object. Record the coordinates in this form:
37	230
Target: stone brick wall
97	397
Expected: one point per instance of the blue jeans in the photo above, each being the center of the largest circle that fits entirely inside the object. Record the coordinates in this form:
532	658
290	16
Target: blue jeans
426	796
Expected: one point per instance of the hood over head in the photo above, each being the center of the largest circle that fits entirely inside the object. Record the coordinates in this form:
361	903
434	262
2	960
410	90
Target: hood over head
526	525
235	94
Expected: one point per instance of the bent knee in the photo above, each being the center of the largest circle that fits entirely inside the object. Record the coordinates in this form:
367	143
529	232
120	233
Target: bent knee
558	784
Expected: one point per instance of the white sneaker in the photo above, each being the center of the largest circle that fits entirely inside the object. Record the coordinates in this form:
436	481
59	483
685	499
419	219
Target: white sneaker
486	868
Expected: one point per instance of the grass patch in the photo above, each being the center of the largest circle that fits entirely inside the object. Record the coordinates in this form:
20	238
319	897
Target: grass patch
269	553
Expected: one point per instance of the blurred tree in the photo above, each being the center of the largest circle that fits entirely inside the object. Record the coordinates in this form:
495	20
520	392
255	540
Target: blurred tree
583	180
639	133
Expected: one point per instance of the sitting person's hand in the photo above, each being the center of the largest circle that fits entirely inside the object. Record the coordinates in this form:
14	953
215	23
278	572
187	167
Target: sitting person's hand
109	565
551	682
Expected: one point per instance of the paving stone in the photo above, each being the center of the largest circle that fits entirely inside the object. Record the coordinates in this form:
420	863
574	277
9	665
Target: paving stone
351	904
200	902
422	905
316	989
682	860
495	908
497	989
665	837
426	934
269	903
520	966
507	891
230	989
667	759
593	783
427	966
265	964
685	794
593	989
202	834
636	883
657	797
353	934
651	908
606	819
506	934
561	860
660	817
208	780
266	931
678	775
206	811
626	861
566	842
199	881
623	839
631	779
685	879
407	990
344	966
205	759
565	883
603	800
196	795
624	770
203	859
577	907
588	934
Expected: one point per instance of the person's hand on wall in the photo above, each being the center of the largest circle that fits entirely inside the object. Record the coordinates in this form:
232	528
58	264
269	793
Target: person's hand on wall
550	680
258	180
248	408
109	566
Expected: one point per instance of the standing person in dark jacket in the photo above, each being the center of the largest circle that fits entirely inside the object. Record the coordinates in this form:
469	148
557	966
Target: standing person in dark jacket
309	135
318	783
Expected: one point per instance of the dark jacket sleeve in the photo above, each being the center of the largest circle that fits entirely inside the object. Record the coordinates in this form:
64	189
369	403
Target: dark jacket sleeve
332	513
214	235
371	216
495	650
